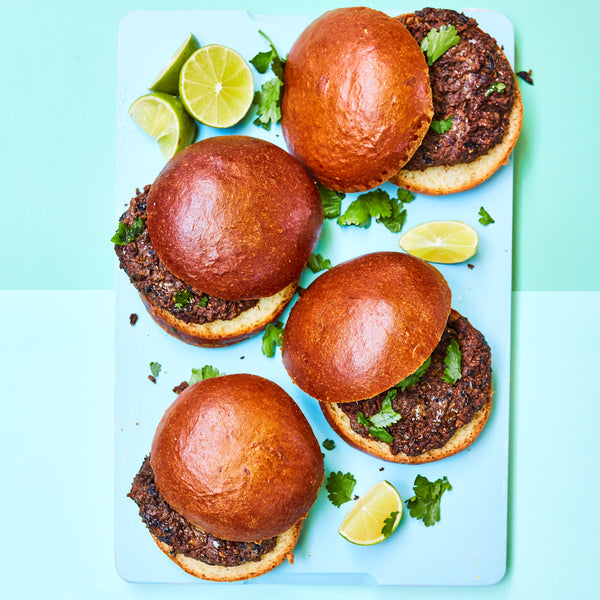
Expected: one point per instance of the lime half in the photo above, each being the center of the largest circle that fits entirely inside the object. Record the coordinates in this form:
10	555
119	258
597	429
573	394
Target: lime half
164	118
216	86
167	80
374	516
441	241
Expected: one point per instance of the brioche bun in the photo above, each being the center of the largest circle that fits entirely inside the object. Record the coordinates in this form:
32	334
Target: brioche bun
235	217
235	456
356	98
365	325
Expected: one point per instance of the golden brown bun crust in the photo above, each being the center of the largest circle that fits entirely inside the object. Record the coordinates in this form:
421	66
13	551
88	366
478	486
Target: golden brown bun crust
438	180
223	333
365	325
283	549
235	456
235	217
356	98
462	438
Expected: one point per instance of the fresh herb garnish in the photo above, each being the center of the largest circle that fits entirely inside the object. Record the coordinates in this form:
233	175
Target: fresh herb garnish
388	524
340	487
128	233
442	126
155	368
203	301
485	217
384	418
377	204
268	99
328	444
317	263
438	41
206	372
497	86
182	298
332	201
414	377
452	371
272	338
425	504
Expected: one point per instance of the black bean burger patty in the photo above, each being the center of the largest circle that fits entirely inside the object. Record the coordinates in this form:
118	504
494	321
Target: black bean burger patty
460	80
154	281
171	528
432	410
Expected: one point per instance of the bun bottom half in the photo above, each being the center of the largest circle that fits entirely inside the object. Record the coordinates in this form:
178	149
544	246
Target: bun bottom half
223	333
462	438
444	179
283	550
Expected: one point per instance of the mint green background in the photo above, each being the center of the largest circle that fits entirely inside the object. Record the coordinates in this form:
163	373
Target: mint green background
58	138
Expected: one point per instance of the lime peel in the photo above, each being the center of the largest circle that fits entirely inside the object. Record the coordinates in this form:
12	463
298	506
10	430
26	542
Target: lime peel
167	80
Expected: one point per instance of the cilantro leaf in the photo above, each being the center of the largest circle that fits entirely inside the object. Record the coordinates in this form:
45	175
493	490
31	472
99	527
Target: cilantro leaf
206	372
203	301
128	233
388	524
442	126
438	41
268	101
414	377
272	338
405	196
485	217
332	201
262	60
452	361
425	504
317	263
155	368
375	203
497	86
328	444
396	220
387	416
340	487
182	298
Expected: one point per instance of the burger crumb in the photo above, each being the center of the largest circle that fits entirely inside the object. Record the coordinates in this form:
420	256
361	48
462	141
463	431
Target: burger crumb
356	497
133	319
242	357
470	266
526	76
381	468
182	386
152	378
290	558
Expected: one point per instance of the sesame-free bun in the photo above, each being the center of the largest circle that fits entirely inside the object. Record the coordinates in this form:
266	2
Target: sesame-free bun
223	332
356	98
235	456
444	179
365	325
235	217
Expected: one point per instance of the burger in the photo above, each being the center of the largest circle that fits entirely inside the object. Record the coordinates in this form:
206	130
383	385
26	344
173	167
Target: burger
216	244
477	105
233	470
356	98
398	373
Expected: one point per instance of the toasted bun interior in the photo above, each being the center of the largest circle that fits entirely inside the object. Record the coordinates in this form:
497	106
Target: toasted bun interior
235	456
356	98
365	325
234	216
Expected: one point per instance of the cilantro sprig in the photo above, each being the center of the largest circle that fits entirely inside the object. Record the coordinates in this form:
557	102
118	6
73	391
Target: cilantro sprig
155	368
268	99
331	200
317	263
128	233
414	377
484	217
452	360
340	487
442	126
272	337
387	416
388	524
425	504
438	41
206	372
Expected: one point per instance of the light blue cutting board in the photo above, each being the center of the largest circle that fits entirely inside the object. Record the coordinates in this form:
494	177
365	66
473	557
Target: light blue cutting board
468	545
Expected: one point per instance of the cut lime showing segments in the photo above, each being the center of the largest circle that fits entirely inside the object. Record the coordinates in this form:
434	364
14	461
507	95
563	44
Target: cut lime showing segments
374	516
216	86
167	81
164	118
441	241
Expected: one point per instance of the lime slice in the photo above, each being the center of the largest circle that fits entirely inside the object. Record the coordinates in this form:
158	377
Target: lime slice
441	241
374	516
164	118
167	81
216	86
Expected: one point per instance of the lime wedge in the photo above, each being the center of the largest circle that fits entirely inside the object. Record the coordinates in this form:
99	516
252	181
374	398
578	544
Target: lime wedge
374	516
164	118
167	81
216	86
441	241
